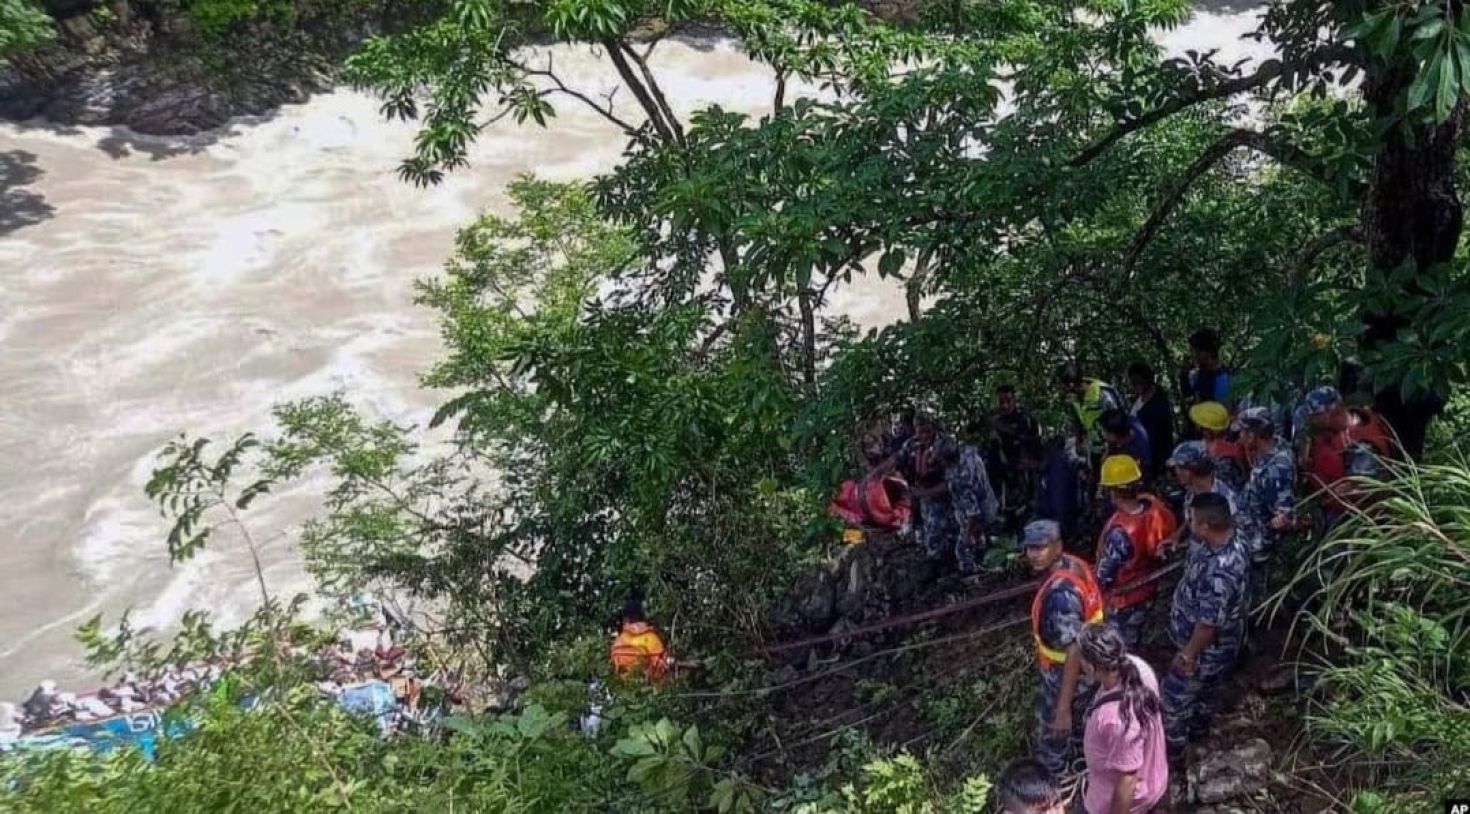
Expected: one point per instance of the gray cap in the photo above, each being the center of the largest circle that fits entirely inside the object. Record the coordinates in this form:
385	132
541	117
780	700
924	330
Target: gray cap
1189	455
1040	533
1257	419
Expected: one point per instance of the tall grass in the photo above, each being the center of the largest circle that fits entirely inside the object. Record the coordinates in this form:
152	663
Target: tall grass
1388	606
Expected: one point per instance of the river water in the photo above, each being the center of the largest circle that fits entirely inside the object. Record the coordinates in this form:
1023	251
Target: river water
151	286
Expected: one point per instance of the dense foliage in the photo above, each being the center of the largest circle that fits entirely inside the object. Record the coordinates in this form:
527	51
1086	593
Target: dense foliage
645	393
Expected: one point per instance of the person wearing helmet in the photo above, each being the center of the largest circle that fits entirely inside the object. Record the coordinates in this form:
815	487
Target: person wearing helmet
1212	421
1342	443
1129	546
1206	623
1067	599
1194	470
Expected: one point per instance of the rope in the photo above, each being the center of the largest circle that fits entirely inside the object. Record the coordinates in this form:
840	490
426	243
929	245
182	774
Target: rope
924	616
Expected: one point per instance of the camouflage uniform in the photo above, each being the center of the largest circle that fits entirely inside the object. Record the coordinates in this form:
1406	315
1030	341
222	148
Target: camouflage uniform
1271	488
1117	551
922	467
1061	623
1220	488
1212	591
973	501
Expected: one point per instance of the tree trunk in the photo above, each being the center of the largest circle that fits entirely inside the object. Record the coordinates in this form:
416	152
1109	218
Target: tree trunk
805	298
1411	214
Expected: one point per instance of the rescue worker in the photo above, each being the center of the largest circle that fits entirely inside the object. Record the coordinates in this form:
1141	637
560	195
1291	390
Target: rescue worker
1152	409
1058	494
1129	546
1011	425
1267	506
1067	599
1208	380
1206	623
1088	400
1125	435
1028	787
1212	421
638	649
1342	443
975	506
921	462
1194	469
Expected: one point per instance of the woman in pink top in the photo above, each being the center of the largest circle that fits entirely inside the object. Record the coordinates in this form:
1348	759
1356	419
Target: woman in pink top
1127	769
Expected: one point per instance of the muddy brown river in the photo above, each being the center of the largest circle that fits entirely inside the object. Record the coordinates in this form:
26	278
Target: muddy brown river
150	286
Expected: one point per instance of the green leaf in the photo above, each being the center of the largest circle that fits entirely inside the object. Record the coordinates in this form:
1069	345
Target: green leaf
633	747
891	262
692	744
640	771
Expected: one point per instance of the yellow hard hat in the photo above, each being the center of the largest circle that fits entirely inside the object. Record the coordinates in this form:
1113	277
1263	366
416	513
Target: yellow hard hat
1210	415
1120	470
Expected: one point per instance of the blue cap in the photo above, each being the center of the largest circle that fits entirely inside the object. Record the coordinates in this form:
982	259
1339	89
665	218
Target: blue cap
1257	419
1040	533
1189	454
1322	399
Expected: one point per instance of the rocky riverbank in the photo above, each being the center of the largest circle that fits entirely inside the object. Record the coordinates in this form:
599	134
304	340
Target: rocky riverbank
145	64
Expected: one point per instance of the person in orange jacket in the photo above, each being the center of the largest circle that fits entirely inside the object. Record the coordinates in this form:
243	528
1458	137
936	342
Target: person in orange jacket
1067	599
638	649
1213	421
1129	546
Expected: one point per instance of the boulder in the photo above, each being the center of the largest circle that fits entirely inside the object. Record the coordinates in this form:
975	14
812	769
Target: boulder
1231	774
815	598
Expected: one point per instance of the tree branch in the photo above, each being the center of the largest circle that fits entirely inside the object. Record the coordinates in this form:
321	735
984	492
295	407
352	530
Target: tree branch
1287	154
1266	73
561	87
651	107
1351	233
657	92
780	101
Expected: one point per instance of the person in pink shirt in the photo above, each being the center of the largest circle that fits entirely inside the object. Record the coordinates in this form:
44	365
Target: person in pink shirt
1127	765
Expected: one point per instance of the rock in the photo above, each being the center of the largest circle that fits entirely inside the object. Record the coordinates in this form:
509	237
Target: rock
816	600
1232	774
854	572
1280	679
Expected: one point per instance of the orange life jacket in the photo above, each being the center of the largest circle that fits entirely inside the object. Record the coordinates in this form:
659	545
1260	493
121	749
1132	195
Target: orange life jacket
1076	571
1372	430
1147	530
639	649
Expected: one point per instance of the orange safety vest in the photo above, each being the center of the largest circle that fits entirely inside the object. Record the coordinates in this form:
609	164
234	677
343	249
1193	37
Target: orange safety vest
639	649
1076	571
1147	530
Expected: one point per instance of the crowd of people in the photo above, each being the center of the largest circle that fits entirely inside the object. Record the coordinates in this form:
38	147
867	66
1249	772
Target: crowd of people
1102	509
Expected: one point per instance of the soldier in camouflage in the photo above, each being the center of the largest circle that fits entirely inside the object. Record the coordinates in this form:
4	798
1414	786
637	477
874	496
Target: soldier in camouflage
1067	600
1206	623
1268	504
1194	470
973	501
